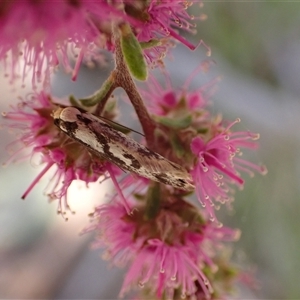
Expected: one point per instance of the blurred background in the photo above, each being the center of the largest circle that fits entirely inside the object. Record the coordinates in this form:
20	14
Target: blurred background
256	49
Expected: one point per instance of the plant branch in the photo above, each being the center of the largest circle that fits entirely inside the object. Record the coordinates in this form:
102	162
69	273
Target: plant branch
123	79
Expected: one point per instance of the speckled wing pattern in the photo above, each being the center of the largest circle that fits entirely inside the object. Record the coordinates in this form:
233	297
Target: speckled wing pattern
119	149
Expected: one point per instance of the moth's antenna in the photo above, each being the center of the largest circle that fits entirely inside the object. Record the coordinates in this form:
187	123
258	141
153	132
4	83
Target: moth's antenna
108	120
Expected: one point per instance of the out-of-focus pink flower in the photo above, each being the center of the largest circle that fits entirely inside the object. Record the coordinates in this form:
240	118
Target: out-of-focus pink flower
167	99
218	164
39	135
162	260
44	33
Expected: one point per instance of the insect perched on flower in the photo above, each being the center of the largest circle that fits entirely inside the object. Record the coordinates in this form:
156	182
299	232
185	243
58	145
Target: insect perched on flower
120	149
147	216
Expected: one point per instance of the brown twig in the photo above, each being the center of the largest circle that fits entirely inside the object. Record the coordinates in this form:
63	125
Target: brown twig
123	79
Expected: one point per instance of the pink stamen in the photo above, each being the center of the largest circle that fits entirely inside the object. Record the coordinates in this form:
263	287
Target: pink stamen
77	65
120	193
48	166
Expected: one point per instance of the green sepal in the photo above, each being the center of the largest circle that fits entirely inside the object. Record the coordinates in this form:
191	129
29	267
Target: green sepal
202	130
177	146
175	123
110	106
133	53
160	134
74	101
139	197
99	95
186	193
153	201
150	44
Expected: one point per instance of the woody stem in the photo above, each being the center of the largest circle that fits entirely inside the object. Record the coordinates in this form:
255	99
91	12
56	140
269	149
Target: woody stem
122	78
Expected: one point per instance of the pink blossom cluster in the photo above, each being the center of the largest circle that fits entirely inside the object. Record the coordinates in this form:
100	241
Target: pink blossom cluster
187	258
70	160
173	249
205	144
172	255
38	36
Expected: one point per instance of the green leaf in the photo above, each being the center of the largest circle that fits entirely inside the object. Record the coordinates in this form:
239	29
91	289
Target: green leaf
133	53
74	101
177	146
99	95
175	123
150	44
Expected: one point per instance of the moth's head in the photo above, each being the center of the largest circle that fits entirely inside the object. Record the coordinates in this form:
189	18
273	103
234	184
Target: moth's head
56	113
66	114
64	117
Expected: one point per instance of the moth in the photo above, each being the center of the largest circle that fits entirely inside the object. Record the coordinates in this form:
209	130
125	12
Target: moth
120	149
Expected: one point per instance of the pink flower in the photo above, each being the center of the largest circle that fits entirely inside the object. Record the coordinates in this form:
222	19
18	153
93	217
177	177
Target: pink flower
190	136
165	268
218	167
162	260
181	113
161	20
44	33
165	100
165	16
40	136
113	229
